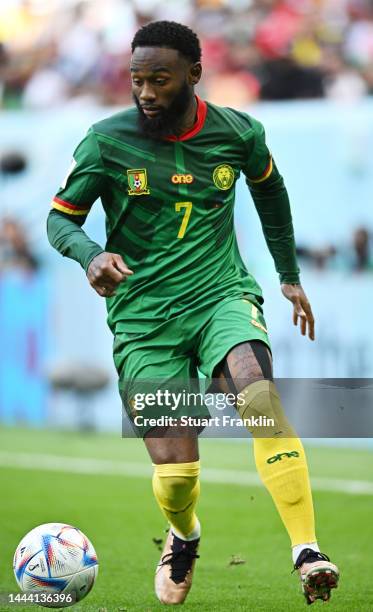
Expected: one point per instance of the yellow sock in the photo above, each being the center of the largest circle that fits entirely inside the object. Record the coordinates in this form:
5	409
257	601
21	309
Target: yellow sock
282	465
176	488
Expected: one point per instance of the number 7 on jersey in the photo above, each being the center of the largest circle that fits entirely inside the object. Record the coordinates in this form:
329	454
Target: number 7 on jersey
188	209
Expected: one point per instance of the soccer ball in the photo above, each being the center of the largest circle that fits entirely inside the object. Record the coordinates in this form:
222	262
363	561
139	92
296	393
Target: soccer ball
55	559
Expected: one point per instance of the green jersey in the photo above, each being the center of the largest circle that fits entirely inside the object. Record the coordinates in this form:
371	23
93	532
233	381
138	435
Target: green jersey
169	211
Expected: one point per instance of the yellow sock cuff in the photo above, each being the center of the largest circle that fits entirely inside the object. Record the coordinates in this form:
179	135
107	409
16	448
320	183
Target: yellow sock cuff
191	469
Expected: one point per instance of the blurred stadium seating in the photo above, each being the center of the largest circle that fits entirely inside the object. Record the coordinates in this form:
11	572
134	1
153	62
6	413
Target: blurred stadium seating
53	51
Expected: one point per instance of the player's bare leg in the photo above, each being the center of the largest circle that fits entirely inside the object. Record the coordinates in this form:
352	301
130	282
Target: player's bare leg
175	457
281	463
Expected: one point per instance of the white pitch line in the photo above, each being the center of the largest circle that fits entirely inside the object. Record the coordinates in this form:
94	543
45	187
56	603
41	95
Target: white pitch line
107	467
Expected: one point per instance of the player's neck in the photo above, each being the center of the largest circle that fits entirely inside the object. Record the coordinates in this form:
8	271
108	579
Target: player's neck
190	117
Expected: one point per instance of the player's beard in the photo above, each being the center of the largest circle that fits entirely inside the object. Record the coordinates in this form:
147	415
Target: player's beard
170	120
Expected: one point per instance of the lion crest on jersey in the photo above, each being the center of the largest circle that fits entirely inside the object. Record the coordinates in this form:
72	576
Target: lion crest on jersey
223	176
137	182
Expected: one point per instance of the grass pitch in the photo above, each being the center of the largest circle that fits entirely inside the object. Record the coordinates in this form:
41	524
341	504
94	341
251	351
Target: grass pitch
118	513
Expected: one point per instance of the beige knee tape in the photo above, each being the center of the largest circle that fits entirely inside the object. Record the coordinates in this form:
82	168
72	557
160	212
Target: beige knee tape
259	405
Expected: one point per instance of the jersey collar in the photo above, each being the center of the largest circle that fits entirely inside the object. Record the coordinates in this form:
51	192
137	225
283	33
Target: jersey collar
199	123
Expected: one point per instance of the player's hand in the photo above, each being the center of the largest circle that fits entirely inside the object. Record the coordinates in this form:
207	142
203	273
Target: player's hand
301	309
105	272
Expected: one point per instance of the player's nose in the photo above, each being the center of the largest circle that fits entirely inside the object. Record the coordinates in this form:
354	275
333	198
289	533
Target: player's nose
147	94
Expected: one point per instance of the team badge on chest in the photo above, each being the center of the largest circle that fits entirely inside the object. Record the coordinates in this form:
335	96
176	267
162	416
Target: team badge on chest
223	176
138	182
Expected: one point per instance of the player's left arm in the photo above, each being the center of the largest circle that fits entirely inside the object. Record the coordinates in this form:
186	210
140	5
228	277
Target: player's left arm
272	204
302	310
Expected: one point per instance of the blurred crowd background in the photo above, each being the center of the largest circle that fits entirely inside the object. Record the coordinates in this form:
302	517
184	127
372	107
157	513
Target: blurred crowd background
54	51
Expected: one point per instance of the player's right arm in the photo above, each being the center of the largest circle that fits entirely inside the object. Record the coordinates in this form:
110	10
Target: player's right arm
84	183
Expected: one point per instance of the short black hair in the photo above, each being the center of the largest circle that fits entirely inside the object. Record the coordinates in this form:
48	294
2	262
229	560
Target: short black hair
170	35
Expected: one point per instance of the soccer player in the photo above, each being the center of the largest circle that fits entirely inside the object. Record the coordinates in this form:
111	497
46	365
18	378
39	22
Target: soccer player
179	296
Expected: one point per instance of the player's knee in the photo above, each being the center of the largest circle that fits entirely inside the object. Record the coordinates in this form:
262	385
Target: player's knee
259	399
260	405
165	456
168	446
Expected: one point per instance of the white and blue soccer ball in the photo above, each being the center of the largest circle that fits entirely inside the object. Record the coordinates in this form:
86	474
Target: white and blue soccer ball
55	558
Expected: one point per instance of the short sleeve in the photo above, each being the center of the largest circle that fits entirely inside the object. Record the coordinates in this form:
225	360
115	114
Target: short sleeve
259	165
85	179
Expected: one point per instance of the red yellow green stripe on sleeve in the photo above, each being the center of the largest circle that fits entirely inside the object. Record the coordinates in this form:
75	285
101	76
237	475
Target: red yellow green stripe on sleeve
267	172
67	207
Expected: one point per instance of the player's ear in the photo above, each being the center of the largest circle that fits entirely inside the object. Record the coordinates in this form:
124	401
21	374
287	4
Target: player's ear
195	72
